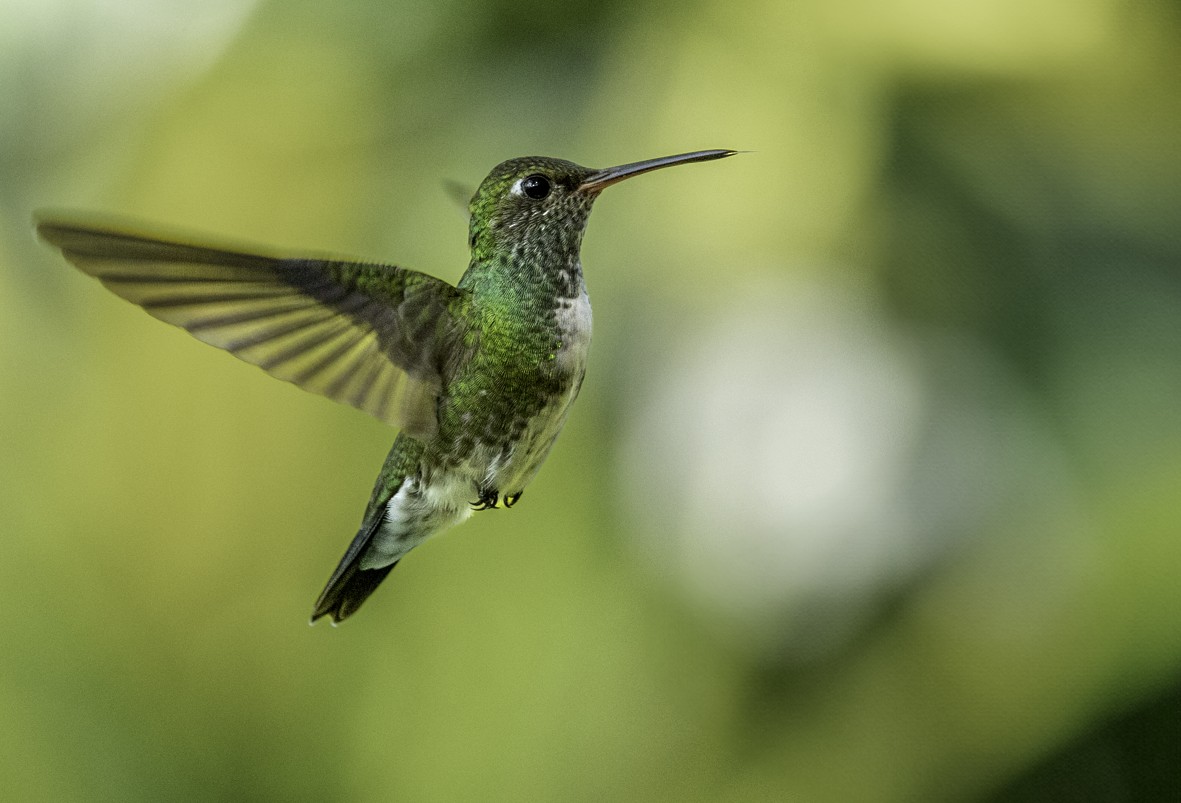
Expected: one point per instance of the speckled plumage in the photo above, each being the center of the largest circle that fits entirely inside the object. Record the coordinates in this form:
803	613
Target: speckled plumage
518	365
480	377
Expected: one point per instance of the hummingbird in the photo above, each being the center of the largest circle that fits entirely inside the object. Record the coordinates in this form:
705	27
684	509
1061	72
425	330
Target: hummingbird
479	377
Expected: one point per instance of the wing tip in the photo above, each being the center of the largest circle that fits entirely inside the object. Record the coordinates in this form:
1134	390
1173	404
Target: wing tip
53	226
73	229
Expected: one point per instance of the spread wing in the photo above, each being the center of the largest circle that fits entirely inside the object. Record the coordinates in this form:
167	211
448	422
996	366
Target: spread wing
373	336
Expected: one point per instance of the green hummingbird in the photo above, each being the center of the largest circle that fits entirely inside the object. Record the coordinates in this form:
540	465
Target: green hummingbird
479	377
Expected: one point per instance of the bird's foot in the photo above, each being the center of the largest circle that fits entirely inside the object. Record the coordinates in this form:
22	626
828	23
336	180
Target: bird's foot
489	500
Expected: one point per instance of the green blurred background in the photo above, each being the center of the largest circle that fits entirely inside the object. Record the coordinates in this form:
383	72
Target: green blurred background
873	492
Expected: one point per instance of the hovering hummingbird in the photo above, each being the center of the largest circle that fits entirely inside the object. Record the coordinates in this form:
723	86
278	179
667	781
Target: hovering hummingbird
479	377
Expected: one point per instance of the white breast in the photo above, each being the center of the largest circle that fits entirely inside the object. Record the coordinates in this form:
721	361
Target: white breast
573	317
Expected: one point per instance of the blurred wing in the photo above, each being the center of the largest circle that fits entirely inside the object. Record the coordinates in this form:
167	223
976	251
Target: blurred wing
373	336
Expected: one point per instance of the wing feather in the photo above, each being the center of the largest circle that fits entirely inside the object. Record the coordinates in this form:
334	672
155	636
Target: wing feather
369	335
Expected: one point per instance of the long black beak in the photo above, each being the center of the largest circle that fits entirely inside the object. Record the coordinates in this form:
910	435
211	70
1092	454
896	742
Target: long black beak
600	179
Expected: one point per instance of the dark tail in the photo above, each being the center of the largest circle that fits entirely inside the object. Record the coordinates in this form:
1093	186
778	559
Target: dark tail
341	598
350	585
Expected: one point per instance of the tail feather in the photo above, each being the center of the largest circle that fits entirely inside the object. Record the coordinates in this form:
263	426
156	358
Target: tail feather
350	585
348	589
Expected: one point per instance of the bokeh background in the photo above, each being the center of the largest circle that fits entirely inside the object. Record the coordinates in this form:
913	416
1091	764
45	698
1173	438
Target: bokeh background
873	492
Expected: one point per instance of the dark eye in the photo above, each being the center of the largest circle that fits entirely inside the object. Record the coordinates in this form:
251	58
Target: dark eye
535	186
